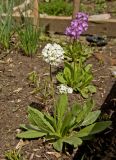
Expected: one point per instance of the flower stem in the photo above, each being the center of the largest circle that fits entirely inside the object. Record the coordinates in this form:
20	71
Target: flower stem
50	72
52	85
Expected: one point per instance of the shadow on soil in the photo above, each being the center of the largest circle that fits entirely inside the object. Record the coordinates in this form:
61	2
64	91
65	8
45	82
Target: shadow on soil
103	147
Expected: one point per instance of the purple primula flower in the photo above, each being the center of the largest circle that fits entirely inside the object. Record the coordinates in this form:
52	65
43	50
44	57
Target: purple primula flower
77	26
83	16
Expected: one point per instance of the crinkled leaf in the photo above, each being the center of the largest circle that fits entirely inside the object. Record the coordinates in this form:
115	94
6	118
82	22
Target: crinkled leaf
31	120
41	122
67	74
94	128
50	119
61	108
58	145
76	108
60	78
23	126
87	138
84	92
30	127
73	140
100	126
91	88
88	106
30	134
68	122
69	66
88	67
91	118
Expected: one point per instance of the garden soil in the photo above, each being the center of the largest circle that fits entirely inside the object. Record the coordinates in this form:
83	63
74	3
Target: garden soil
16	96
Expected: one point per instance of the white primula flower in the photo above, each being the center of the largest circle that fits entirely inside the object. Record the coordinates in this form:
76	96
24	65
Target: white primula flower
113	70
69	90
114	73
64	89
53	54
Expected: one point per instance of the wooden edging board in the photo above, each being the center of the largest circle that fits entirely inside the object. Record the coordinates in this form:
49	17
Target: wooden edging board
55	24
100	27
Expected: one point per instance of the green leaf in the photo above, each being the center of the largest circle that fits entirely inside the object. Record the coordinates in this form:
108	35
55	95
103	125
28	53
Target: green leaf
88	67
91	88
91	118
100	126
76	108
68	122
87	79
31	120
29	127
84	92
30	134
60	78
73	140
41	122
87	138
88	106
23	126
58	145
67	74
50	119
69	66
61	108
94	128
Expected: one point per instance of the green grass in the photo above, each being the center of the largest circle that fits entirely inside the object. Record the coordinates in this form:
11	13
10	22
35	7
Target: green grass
56	7
61	7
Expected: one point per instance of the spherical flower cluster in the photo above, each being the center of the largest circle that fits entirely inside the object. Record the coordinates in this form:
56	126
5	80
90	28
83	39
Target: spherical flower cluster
64	89
53	54
77	26
114	73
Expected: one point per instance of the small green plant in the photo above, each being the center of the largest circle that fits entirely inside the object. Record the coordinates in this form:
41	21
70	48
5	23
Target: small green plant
32	77
100	6
43	87
29	37
55	7
77	77
66	126
6	26
77	51
13	155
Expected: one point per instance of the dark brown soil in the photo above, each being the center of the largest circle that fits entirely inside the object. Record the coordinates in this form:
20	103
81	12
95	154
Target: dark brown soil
15	96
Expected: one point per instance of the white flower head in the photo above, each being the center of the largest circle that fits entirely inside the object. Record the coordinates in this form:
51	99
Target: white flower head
64	89
53	54
114	73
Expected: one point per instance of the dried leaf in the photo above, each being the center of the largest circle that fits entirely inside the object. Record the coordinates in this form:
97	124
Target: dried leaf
56	154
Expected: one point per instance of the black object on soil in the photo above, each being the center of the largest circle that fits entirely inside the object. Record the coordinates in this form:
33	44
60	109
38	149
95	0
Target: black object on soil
96	40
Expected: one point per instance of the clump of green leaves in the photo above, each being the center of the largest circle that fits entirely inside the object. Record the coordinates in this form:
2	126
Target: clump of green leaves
13	155
100	6
78	77
6	26
29	37
55	7
77	51
33	78
43	87
66	126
